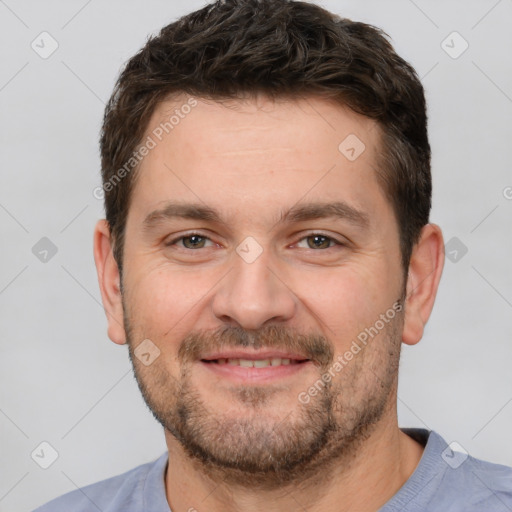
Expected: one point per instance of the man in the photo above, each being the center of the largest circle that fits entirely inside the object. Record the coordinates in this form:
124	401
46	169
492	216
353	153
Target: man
266	251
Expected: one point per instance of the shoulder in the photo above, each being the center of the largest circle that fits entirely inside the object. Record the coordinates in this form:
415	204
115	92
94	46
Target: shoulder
482	482
448	478
123	492
466	480
470	475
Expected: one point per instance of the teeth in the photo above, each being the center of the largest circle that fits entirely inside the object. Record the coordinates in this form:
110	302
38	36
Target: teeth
258	363
261	363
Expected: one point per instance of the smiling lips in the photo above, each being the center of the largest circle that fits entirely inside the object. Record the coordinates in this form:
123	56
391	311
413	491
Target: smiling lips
256	363
261	359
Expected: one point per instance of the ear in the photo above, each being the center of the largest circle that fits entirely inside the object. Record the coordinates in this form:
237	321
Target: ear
109	281
425	269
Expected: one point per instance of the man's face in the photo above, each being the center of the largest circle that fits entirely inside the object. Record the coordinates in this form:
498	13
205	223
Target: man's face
257	283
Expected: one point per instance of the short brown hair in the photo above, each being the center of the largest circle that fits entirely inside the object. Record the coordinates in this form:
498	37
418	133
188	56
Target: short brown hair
281	48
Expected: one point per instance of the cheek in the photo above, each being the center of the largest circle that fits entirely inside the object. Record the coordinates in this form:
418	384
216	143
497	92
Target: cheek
344	301
165	301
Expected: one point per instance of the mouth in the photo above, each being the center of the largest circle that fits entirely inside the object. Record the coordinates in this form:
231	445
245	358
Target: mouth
244	366
255	363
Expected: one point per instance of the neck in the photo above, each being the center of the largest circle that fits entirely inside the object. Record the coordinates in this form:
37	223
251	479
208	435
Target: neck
379	466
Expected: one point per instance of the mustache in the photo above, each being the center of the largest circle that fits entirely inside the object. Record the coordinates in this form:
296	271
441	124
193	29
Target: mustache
310	345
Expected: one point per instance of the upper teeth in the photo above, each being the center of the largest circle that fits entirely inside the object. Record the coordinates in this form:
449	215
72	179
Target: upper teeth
257	363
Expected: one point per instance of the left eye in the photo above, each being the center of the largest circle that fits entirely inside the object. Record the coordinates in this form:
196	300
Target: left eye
313	241
318	241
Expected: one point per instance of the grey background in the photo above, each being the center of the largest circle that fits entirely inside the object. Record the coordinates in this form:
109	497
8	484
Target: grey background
64	382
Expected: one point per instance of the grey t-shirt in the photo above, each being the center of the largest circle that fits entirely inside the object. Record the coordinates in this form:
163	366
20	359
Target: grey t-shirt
444	481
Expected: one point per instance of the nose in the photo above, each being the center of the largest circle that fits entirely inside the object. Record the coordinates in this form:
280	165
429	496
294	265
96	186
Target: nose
254	294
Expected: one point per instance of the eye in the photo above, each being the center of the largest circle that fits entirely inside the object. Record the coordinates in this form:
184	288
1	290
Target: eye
190	241
314	241
319	241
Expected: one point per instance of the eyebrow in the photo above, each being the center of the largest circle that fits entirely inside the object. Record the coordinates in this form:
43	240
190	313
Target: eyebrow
298	213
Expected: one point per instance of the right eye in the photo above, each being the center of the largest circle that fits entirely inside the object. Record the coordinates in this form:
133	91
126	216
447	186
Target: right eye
190	241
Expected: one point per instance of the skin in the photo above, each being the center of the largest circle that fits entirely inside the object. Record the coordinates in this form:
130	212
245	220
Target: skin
251	160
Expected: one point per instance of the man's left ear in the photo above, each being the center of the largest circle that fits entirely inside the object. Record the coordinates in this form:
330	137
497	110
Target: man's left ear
425	269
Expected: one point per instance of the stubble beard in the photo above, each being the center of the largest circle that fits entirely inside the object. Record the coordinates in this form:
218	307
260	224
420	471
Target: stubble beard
266	452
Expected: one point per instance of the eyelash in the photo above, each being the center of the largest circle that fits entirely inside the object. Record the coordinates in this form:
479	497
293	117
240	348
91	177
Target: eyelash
191	234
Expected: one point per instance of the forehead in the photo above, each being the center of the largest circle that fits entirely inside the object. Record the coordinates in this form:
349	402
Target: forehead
249	157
